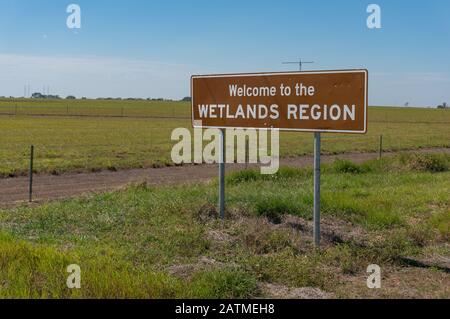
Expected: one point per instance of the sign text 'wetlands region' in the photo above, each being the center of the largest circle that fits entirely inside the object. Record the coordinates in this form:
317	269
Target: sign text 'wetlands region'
321	101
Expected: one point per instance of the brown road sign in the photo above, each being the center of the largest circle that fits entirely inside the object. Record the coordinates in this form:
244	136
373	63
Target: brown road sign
320	101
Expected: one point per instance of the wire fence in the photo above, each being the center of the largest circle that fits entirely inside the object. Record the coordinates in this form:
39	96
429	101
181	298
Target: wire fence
175	111
158	145
108	143
154	151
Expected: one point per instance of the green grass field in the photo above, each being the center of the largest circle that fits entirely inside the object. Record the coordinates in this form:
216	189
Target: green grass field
166	242
112	108
69	143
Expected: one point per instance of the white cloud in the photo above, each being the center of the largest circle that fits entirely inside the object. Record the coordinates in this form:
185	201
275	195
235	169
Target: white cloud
115	77
93	76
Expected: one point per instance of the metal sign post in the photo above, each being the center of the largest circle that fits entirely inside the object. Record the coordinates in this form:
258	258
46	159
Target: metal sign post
317	147
222	173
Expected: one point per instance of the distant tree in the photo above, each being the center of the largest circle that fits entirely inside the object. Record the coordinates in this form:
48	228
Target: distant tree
37	95
52	97
443	106
71	97
186	99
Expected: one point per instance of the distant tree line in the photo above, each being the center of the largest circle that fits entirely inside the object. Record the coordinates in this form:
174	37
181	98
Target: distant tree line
133	99
443	106
160	99
38	95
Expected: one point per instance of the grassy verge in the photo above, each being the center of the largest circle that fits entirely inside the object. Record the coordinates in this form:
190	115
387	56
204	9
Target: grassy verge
166	242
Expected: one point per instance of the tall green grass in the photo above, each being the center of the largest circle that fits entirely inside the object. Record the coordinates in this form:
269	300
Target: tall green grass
129	242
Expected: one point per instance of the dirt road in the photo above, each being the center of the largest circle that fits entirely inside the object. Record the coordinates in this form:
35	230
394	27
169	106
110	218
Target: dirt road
48	187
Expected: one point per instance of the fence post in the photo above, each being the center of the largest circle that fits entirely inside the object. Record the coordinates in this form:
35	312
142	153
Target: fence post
381	146
30	198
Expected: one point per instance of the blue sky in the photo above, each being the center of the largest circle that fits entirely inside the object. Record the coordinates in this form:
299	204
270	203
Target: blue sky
145	48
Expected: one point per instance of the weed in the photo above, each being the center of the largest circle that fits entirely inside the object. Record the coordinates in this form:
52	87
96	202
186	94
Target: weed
347	167
274	208
223	283
433	163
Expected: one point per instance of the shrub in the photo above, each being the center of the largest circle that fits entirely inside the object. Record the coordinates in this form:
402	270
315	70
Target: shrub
347	167
259	237
254	175
434	163
222	284
243	176
291	172
275	208
441	222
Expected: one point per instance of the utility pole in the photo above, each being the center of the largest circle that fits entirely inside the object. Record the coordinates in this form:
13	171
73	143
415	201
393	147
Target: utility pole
299	63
